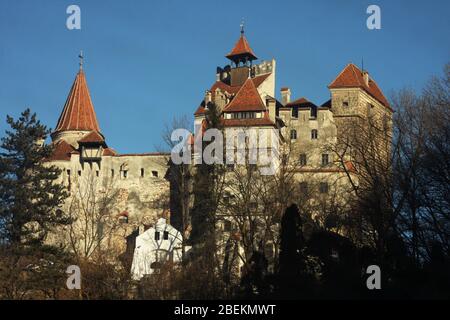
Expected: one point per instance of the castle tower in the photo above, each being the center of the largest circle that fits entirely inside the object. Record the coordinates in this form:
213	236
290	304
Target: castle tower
242	56
78	118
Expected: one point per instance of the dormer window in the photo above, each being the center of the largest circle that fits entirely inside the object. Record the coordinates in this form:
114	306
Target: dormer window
91	147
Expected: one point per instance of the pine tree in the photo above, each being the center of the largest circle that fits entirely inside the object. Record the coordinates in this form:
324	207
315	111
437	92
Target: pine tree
29	197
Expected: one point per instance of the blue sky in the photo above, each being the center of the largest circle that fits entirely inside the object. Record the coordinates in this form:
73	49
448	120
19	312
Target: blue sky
148	61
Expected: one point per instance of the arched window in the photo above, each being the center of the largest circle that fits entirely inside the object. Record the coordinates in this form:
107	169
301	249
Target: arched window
293	134
314	134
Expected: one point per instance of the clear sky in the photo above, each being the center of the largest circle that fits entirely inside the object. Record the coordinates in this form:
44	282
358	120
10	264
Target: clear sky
146	61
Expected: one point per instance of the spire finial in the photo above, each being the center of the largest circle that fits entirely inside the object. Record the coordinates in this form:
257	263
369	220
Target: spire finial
242	26
81	59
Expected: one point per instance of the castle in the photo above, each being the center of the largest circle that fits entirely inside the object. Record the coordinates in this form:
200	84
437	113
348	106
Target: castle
244	93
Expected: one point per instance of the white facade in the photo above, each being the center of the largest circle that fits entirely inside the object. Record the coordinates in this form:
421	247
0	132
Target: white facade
158	244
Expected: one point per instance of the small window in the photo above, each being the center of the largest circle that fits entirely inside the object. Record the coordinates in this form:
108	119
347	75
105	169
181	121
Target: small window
325	159
123	219
304	187
314	134
79	173
226	225
323	188
166	235
294	112
303	159
293	134
125	174
68	173
157	235
112	172
142	172
345	103
155	174
97	173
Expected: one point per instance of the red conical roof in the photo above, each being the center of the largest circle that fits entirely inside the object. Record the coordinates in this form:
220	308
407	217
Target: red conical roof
242	48
78	113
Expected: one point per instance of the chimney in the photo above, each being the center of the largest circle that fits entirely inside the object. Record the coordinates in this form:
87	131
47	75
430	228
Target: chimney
208	97
366	77
271	105
285	95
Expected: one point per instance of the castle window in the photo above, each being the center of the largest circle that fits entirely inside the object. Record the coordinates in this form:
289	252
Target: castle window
345	103
123	219
314	134
226	225
97	173
68	172
157	235
294	112
79	173
293	134
125	174
142	172
304	187
323	188
112	172
166	235
303	159
325	159
155	174
253	205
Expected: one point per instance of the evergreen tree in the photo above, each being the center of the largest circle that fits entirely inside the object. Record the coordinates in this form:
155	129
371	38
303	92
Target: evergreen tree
29	197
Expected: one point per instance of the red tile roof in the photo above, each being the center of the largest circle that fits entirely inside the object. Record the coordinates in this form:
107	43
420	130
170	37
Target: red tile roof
109	152
246	99
93	136
78	113
299	101
352	76
241	48
258	80
62	151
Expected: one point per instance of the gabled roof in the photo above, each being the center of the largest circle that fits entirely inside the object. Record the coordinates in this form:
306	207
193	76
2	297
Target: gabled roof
352	76
246	99
109	152
258	80
92	137
62	151
78	113
300	103
241	48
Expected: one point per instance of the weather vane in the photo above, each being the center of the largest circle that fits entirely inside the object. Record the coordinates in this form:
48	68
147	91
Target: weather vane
81	59
242	26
